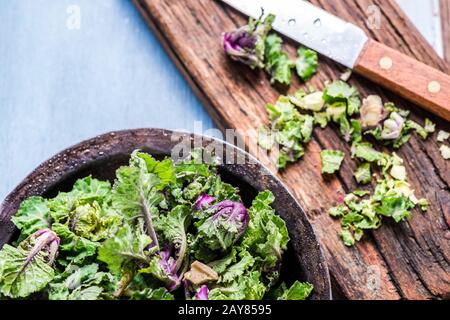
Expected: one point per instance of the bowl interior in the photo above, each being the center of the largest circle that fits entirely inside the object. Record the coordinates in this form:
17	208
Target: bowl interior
103	155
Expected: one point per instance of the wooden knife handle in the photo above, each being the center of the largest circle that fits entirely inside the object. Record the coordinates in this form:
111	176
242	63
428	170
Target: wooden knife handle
413	80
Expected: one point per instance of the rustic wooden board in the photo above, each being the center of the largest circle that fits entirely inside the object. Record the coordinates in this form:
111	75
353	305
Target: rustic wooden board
445	21
405	261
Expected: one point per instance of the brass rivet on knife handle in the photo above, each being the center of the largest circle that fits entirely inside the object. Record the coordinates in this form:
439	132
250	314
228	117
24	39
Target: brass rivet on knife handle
386	63
434	87
411	79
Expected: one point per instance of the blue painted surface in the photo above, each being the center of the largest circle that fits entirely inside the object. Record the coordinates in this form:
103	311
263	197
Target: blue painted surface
60	85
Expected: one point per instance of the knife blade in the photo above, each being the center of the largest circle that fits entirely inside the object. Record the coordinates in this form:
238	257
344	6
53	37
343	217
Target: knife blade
348	44
311	26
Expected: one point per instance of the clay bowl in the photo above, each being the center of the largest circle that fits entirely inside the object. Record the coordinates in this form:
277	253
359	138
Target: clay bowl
101	156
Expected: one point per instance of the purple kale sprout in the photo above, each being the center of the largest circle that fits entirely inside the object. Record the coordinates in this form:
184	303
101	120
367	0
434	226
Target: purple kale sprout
169	267
187	294
233	212
203	201
44	239
240	45
202	293
392	127
225	226
247	44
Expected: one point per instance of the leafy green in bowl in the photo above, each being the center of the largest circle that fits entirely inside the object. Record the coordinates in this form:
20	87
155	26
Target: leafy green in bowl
159	231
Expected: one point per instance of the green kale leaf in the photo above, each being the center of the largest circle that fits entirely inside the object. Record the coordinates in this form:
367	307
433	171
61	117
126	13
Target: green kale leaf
363	174
266	236
152	294
298	291
28	268
82	283
247	287
127	245
331	161
73	248
278	64
306	63
33	215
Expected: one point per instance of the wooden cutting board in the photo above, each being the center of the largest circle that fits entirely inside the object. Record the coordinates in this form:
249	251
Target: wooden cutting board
409	260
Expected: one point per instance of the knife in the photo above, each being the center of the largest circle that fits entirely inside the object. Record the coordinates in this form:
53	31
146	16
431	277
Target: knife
348	45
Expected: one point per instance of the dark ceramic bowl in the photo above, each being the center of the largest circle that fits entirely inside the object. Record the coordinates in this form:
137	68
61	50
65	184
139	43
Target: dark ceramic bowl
101	156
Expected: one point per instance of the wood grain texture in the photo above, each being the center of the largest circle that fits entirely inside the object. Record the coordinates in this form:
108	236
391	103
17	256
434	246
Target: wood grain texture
445	21
405	261
413	80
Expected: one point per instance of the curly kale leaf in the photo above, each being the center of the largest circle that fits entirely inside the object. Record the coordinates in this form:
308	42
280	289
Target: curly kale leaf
391	199
290	130
365	151
190	187
266	236
341	92
363	174
247	287
224	227
174	228
33	215
236	270
73	248
152	294
128	245
28	268
85	191
82	283
137	190
298	291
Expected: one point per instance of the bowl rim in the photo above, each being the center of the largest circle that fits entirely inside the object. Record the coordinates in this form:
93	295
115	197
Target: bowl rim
73	159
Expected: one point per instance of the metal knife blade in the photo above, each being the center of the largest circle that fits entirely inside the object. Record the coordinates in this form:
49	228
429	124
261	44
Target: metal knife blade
311	26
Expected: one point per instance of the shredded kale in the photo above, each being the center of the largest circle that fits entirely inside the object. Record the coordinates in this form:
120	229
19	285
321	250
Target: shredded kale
445	152
306	63
392	198
363	174
278	64
339	103
331	161
443	136
290	130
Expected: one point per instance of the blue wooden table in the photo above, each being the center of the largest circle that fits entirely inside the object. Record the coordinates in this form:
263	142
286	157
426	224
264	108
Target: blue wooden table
73	69
60	84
